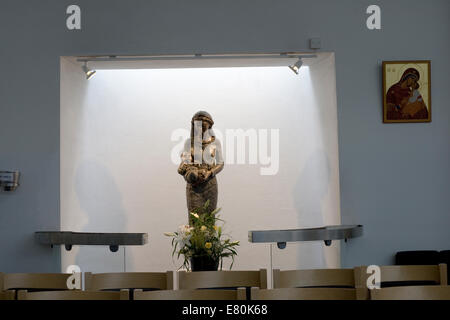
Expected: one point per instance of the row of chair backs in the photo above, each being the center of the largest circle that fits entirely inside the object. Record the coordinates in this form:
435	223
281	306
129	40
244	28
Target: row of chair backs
326	279
357	277
93	282
137	280
393	293
187	280
193	294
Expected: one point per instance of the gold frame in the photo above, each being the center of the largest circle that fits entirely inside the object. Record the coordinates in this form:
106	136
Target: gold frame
384	64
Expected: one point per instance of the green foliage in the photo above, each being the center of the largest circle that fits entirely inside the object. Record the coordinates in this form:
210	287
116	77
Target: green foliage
203	237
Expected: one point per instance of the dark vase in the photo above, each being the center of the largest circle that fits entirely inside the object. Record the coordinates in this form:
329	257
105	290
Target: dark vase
204	263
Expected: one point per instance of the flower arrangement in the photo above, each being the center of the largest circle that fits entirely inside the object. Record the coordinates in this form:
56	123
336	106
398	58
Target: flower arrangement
202	238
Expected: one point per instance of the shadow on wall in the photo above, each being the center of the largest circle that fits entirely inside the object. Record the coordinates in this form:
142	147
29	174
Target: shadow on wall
324	72
309	192
311	188
101	201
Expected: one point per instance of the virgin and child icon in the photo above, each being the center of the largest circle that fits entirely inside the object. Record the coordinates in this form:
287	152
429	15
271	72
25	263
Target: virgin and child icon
407	99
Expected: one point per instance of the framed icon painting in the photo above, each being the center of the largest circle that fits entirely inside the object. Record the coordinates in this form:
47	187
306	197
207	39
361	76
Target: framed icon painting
407	91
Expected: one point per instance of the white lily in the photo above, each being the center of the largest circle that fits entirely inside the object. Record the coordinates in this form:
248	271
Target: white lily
169	234
195	215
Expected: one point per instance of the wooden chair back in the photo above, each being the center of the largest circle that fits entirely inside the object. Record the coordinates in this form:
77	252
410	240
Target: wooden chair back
129	280
190	294
411	293
222	279
7	295
35	281
303	294
402	276
344	278
72	295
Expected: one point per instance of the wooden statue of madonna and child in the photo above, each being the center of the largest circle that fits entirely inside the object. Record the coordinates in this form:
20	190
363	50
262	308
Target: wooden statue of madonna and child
201	161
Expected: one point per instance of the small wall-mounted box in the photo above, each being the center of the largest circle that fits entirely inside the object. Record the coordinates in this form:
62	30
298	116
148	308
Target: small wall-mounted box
9	180
315	43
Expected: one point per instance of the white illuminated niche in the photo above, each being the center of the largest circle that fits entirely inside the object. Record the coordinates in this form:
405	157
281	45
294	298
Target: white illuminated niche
117	174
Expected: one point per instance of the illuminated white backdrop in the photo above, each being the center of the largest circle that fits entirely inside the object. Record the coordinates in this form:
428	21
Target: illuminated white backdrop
117	174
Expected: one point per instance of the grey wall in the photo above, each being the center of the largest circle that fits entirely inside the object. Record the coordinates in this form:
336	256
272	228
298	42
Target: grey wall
395	178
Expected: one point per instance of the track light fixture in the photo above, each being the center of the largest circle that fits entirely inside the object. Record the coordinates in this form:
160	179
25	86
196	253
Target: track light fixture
296	67
89	73
295	61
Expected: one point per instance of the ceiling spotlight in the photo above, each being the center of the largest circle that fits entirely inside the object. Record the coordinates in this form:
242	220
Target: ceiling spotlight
89	73
296	66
